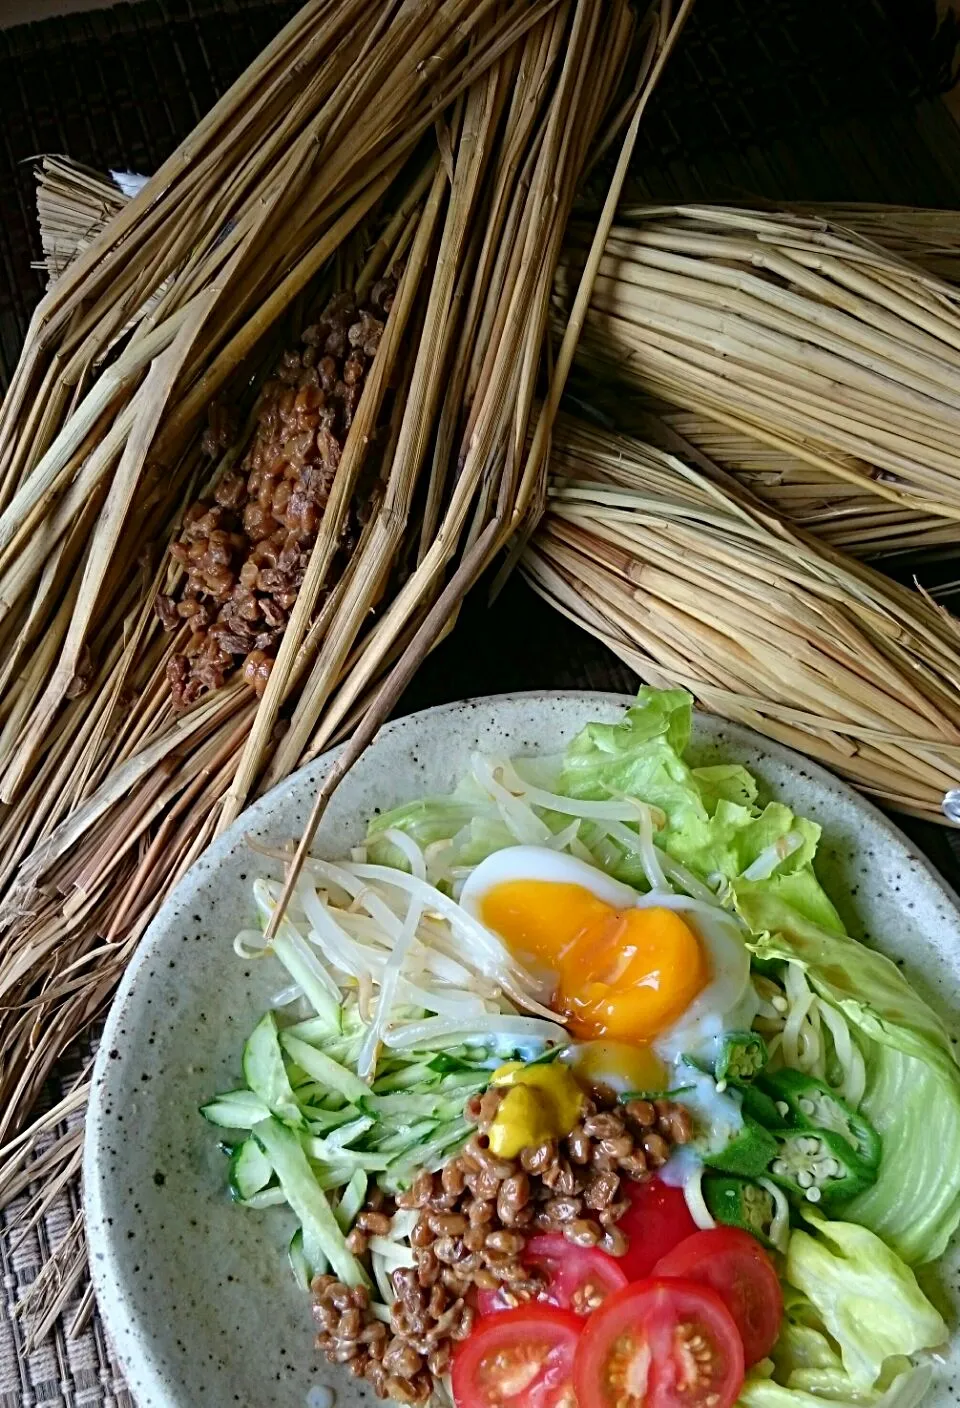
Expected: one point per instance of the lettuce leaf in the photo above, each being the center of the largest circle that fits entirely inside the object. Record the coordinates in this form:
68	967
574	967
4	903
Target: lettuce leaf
867	1298
905	1391
915	1107
711	821
913	1081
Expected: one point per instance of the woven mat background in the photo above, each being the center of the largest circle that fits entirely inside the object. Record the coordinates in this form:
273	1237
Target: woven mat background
778	99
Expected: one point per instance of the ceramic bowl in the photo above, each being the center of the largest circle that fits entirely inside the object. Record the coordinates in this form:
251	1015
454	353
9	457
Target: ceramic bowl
197	1294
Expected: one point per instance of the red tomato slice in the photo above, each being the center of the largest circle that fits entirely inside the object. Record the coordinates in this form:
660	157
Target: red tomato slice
580	1277
735	1265
521	1358
656	1220
660	1344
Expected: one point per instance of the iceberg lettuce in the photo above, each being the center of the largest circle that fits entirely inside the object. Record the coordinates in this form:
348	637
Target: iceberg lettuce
913	1082
866	1297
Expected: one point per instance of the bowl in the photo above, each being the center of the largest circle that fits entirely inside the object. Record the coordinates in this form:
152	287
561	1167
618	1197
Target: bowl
196	1294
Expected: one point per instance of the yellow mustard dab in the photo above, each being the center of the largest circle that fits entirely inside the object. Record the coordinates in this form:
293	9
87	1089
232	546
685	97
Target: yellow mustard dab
544	1102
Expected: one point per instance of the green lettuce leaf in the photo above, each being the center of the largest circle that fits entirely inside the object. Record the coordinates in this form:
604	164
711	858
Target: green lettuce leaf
728	782
866	985
913	1081
915	1107
867	1298
905	1390
711	821
427	820
805	1358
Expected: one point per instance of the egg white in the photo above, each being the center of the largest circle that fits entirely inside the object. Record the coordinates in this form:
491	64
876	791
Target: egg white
696	1031
541	863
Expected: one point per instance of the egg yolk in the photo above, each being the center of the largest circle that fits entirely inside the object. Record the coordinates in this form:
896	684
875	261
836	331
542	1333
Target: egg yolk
625	1067
626	974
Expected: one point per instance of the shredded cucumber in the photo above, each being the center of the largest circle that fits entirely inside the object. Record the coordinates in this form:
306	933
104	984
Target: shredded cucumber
426	1155
325	1070
348	1134
266	1073
321	1231
235	1109
272	1197
250	1170
303	1272
351	1201
323	1153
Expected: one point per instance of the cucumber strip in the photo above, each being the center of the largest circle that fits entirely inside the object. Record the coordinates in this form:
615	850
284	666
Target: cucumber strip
325	1071
347	1133
320	998
403	1138
301	1082
266	1074
317	1031
325	1121
402	1079
305	1196
334	1176
235	1109
424	1155
319	1098
455	1058
250	1170
302	1271
407	1106
351	1201
466	1083
322	1121
350	1159
268	1198
344	1051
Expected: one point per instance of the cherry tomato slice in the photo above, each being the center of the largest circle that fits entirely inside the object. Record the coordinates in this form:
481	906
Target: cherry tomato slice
735	1265
521	1358
580	1278
656	1220
660	1344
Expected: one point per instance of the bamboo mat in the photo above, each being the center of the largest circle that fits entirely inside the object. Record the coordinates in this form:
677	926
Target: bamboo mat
801	99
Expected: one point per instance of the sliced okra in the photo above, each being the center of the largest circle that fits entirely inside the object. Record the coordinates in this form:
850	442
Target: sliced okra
818	1166
749	1154
741	1058
804	1102
758	1105
738	1202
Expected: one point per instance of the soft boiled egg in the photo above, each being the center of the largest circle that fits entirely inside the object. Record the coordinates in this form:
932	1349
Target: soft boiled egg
626	967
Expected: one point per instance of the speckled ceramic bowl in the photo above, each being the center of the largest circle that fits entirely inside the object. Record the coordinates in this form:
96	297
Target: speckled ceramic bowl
196	1294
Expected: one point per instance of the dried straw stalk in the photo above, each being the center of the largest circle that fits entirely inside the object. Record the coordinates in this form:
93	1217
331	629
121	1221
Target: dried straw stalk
694	583
833	355
930	239
73	205
450	135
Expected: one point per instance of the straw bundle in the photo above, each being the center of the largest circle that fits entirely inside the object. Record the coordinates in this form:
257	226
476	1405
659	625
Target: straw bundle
827	351
928	238
438	141
693	583
73	205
